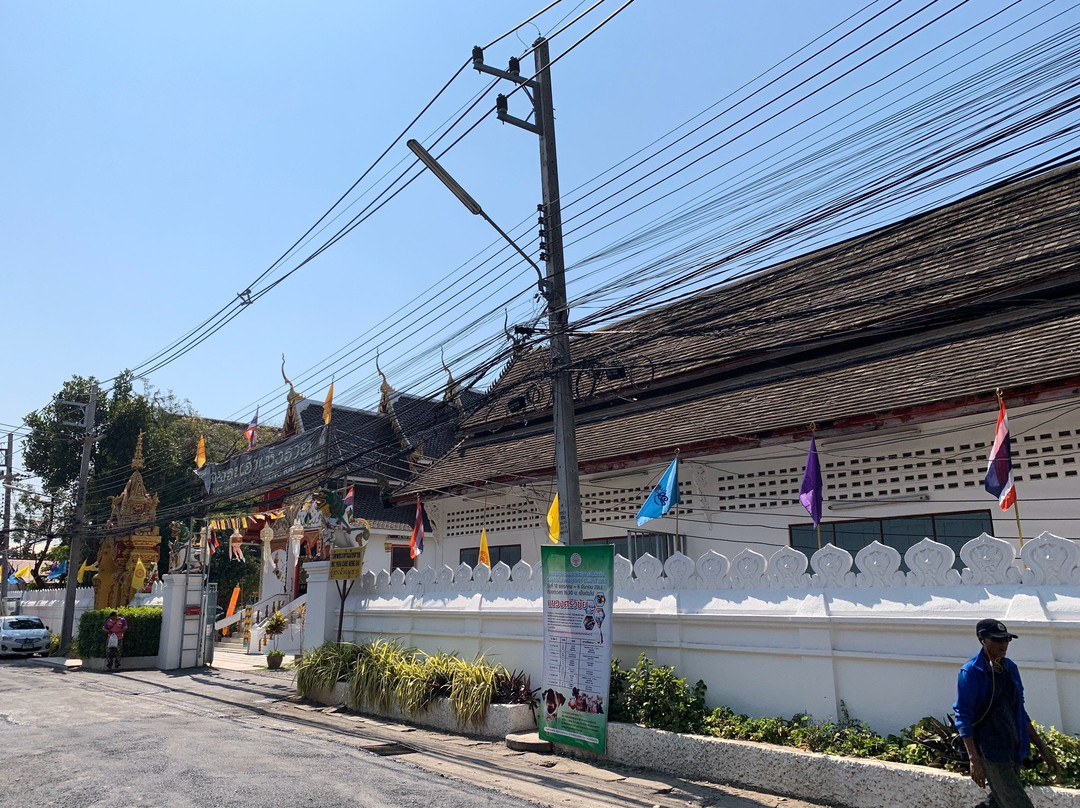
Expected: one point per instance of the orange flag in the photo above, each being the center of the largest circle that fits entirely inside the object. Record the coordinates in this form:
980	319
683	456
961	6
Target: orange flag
200	453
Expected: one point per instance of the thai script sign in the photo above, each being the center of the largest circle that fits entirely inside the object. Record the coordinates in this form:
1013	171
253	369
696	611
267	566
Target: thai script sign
346	563
261	468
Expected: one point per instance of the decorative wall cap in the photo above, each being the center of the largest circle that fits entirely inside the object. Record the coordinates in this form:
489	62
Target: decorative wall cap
1044	560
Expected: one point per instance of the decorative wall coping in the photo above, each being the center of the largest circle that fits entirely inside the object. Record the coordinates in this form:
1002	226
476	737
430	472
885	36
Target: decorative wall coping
1044	560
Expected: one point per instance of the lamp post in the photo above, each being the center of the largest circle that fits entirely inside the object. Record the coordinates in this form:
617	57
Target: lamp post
553	289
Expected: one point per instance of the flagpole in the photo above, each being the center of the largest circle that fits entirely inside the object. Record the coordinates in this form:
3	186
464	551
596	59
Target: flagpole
1016	504
677	498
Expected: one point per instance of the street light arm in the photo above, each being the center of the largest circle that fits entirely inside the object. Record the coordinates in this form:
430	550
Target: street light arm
474	208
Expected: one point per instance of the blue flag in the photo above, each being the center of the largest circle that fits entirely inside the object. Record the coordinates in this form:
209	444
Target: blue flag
663	496
810	491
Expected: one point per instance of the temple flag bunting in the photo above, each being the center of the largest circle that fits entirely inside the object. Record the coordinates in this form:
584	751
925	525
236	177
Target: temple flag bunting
200	452
553	520
25	575
59	570
252	431
810	492
999	476
663	496
416	540
327	407
485	556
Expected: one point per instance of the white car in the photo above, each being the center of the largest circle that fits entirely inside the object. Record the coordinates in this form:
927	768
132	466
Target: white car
23	634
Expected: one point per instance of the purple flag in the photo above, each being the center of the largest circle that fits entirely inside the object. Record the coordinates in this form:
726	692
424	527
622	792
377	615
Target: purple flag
810	491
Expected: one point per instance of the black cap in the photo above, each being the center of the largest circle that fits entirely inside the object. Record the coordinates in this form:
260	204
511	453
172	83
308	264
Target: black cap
993	630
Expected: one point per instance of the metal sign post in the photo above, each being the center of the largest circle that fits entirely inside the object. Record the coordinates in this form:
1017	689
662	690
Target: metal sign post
346	566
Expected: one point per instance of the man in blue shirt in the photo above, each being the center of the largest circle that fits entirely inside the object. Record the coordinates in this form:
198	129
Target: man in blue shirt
991	718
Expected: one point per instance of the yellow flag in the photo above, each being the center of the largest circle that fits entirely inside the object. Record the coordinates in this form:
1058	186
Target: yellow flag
553	520
138	575
85	568
25	575
485	557
200	453
328	404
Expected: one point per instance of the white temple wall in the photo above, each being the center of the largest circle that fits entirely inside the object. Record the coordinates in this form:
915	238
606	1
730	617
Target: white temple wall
772	636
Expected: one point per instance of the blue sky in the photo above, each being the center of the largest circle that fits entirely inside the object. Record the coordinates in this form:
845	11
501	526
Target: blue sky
159	157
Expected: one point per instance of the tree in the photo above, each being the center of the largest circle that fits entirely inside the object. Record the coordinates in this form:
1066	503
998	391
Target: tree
170	429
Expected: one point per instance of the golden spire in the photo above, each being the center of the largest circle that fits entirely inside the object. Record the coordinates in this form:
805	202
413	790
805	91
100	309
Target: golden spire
137	462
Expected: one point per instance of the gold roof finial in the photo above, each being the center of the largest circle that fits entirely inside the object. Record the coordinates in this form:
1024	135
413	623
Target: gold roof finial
137	461
451	385
293	395
385	389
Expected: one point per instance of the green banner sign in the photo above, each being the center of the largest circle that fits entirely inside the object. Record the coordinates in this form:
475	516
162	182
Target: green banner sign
578	591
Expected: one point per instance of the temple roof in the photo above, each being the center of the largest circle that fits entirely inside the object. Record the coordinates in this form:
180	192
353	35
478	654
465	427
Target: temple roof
911	321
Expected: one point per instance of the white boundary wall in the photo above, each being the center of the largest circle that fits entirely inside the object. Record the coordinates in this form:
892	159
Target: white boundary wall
770	637
48	604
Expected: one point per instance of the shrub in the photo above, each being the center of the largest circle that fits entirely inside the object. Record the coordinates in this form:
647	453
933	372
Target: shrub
383	674
323	667
141	638
651	695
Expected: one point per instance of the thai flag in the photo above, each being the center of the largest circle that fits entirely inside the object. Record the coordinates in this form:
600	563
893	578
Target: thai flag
349	505
252	430
999	479
416	540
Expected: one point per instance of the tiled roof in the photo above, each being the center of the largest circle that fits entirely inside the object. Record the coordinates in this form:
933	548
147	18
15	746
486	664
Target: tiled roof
942	307
396	518
362	442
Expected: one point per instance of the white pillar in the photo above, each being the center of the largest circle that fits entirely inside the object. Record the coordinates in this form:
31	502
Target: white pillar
322	605
172	621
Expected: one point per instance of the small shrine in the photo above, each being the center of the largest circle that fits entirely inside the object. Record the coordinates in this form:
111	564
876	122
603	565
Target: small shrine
128	560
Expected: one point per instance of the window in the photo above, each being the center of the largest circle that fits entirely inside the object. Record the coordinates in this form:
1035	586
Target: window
637	543
900	533
509	554
400	558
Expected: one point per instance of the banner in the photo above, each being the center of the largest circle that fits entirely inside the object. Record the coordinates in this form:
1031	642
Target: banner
578	586
262	468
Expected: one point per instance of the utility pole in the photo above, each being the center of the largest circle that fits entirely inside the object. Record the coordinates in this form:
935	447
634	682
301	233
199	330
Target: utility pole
8	482
551	245
75	551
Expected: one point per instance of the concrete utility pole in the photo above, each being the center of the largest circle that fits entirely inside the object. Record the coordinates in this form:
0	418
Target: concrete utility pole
9	480
566	464
75	552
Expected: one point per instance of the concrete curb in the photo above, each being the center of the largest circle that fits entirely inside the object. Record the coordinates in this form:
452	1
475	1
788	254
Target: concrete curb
854	782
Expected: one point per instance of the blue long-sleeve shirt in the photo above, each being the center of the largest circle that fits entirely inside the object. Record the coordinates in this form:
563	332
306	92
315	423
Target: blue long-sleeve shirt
974	688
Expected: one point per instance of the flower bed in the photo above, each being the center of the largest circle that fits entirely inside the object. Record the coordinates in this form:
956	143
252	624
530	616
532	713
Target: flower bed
501	719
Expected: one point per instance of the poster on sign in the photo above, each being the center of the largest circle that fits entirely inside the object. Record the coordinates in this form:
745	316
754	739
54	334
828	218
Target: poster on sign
578	589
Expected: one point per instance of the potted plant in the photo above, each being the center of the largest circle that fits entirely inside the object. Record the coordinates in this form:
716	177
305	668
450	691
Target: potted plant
275	625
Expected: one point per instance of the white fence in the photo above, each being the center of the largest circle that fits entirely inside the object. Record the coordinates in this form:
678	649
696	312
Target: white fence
768	636
48	604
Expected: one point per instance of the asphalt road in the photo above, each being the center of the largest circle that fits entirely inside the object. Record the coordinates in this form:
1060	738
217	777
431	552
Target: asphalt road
232	738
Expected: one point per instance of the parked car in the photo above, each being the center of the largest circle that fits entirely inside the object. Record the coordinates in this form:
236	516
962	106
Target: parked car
23	635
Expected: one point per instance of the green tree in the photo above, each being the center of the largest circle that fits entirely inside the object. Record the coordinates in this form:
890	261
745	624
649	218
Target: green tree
170	429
